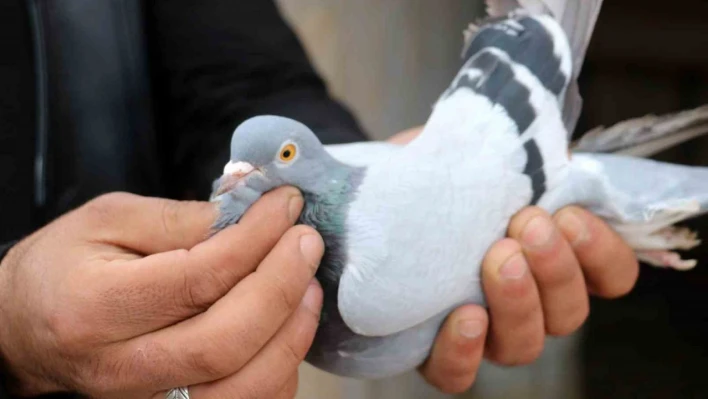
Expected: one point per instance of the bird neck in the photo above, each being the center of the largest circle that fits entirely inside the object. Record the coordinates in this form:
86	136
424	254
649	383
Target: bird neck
326	210
326	202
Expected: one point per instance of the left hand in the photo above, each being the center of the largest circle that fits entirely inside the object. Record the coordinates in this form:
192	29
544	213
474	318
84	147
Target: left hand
537	282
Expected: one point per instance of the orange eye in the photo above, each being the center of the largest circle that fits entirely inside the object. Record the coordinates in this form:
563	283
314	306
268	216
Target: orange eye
288	153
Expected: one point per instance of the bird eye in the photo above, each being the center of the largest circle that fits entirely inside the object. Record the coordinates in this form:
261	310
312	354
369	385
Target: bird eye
288	153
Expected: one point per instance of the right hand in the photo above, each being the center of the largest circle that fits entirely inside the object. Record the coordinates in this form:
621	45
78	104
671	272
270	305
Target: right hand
124	297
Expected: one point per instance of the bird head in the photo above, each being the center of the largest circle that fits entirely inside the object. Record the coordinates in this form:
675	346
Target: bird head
271	151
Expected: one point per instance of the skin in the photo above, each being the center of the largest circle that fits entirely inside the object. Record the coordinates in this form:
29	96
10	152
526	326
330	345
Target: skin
124	297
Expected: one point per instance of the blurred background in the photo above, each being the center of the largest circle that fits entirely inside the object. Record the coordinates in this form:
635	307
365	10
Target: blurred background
389	61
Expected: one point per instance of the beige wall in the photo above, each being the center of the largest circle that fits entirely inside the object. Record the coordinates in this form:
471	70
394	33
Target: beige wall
388	60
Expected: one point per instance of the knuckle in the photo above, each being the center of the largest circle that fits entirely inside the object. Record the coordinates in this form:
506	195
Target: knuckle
102	209
555	273
520	292
280	294
145	366
455	379
449	380
570	322
627	284
107	202
209	363
618	283
69	338
72	332
170	216
203	290
291	354
529	354
521	354
615	290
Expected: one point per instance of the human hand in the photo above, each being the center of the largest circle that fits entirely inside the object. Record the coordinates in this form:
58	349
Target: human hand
536	283
123	297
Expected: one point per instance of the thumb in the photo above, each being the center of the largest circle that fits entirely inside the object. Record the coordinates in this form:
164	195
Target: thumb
146	225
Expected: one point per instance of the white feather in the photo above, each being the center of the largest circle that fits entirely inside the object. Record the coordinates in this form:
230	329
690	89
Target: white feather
387	286
363	153
399	274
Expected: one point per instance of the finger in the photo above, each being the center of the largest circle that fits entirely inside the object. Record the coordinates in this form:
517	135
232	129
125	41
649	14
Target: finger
553	265
223	339
457	354
271	371
406	136
517	330
145	225
159	290
609	264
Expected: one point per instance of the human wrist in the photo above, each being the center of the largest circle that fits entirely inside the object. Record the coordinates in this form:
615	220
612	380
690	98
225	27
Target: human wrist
12	385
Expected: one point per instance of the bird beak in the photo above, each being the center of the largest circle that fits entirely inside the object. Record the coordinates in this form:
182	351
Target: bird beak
234	173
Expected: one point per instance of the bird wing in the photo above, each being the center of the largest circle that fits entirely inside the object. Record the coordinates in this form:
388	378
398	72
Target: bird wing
423	218
578	19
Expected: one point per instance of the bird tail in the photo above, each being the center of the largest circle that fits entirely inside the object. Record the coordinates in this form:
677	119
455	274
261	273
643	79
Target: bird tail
576	17
641	199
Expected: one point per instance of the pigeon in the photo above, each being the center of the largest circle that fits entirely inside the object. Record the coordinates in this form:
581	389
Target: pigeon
406	226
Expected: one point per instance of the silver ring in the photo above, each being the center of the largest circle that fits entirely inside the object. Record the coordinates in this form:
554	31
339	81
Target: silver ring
178	393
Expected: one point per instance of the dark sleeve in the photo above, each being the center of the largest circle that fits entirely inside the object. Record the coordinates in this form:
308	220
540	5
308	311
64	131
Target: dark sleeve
219	62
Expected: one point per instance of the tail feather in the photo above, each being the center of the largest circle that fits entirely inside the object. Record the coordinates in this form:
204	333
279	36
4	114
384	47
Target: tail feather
642	199
646	136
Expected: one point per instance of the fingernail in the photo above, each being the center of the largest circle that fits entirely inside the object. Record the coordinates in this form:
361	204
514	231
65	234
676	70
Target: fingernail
295	206
538	232
574	226
514	268
313	299
469	329
311	248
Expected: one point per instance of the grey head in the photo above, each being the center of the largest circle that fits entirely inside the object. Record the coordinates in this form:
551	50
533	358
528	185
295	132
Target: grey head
268	152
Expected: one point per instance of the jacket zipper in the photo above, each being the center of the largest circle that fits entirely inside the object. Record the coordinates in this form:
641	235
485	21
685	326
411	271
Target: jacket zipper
42	104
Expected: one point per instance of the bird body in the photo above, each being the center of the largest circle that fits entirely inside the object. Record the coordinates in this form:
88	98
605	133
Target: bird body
406	227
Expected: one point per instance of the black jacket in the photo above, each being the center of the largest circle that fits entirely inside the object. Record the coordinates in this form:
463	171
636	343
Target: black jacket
140	96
